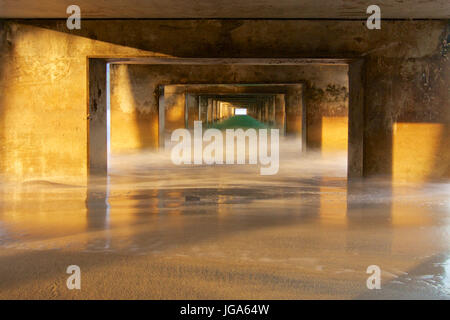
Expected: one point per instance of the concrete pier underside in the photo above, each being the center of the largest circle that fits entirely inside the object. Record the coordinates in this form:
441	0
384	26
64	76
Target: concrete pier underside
86	177
402	76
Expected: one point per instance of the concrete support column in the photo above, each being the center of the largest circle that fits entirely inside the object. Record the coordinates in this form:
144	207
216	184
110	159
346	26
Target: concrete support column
161	119
280	115
219	105
263	110
356	104
192	110
199	108
209	111
176	113
294	113
272	110
203	109
217	110
266	110
97	118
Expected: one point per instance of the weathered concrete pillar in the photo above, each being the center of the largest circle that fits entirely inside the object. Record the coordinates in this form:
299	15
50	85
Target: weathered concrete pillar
216	110
161	119
209	112
266	110
356	120
273	110
294	112
203	109
175	111
192	109
199	103
261	110
97	118
280	117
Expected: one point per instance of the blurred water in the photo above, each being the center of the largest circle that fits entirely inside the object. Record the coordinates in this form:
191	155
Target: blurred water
305	218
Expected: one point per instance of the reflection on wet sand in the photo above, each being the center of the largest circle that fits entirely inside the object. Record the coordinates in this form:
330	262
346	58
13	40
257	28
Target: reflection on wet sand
154	230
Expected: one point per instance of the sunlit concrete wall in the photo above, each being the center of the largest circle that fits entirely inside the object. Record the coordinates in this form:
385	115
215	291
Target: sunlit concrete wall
334	134
43	116
192	109
134	118
294	112
327	116
175	104
415	151
43	108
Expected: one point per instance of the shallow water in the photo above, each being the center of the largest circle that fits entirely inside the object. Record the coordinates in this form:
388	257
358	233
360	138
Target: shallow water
226	232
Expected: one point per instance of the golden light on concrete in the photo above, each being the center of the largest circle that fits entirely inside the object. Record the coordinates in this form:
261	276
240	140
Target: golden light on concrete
43	110
334	134
125	135
414	150
174	107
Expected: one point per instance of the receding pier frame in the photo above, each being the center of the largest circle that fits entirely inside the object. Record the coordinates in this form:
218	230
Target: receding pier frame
97	86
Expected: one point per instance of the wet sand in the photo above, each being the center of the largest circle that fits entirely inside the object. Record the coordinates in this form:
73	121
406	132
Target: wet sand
158	231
